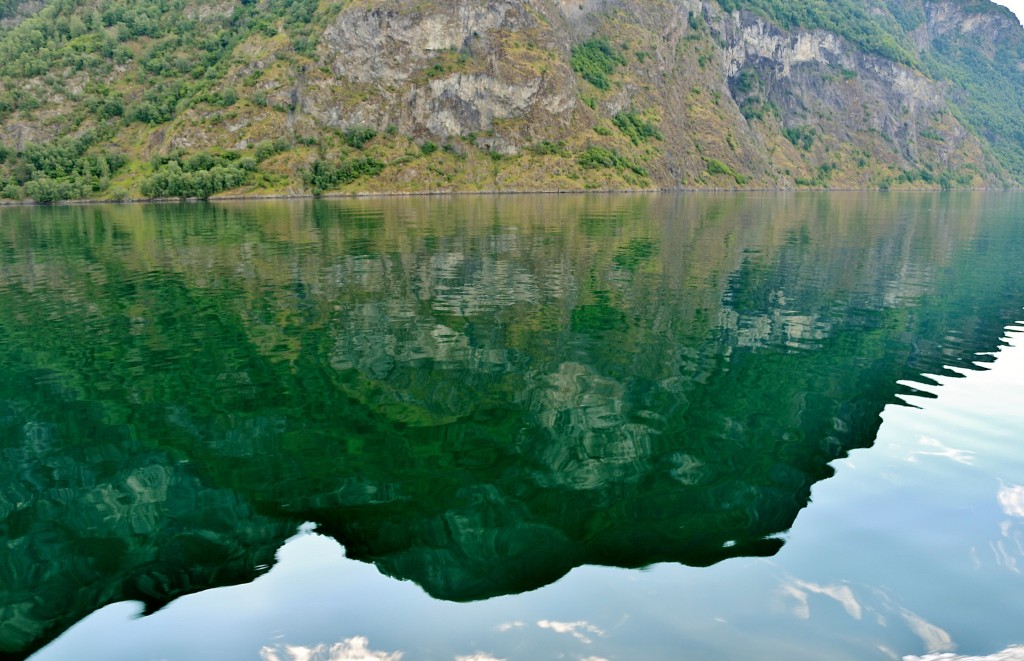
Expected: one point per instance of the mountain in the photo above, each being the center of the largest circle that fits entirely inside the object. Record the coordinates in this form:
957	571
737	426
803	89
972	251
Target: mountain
195	98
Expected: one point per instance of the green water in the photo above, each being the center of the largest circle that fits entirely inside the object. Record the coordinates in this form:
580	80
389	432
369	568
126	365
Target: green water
521	427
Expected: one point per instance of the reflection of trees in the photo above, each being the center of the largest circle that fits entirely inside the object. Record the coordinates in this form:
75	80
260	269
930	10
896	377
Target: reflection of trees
474	393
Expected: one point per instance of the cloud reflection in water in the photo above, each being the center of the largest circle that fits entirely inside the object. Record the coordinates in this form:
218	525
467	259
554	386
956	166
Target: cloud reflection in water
577	630
1012	500
351	649
1012	653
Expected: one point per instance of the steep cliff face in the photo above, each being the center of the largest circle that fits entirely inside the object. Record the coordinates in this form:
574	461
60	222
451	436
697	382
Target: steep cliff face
848	111
448	71
381	95
991	27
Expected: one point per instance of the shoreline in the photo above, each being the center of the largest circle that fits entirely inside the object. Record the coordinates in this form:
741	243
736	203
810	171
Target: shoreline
458	193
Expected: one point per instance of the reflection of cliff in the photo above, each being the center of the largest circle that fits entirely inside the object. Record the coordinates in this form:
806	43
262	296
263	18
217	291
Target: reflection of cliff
477	395
91	514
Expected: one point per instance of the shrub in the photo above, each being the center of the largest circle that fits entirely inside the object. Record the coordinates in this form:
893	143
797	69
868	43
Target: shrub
324	175
45	190
548	148
11	191
172	179
266	148
601	157
635	128
358	136
821	178
595	60
801	136
715	166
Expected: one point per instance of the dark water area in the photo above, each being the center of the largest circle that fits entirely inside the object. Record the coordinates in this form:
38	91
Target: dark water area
476	396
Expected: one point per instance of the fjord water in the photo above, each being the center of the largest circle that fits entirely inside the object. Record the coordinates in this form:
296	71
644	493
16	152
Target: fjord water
514	427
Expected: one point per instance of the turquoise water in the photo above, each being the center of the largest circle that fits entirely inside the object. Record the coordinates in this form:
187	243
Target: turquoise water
773	426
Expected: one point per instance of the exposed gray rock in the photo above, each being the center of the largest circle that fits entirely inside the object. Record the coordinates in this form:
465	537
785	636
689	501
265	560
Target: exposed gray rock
454	70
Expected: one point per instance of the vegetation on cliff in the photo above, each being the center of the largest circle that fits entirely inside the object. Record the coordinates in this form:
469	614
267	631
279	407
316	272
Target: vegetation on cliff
988	76
181	98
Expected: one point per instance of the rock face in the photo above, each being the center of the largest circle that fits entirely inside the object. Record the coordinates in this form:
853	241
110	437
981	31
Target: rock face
946	17
570	95
778	107
450	70
819	83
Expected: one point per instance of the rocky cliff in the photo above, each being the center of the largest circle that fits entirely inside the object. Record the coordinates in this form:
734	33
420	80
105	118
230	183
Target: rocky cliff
388	96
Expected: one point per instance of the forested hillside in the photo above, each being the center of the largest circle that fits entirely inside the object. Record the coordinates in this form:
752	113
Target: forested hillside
119	99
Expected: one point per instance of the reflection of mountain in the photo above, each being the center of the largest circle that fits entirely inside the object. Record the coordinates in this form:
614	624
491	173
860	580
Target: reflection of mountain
474	394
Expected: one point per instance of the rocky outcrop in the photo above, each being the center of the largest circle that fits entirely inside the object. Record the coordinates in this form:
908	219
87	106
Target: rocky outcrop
992	26
450	70
391	42
819	82
778	107
18	11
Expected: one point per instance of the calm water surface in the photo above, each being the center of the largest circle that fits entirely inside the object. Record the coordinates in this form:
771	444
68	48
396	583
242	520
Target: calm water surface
607	427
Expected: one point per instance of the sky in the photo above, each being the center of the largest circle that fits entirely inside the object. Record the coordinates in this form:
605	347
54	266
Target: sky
1016	5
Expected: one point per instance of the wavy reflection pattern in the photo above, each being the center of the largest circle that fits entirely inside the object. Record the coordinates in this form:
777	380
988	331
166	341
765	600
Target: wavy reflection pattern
476	394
